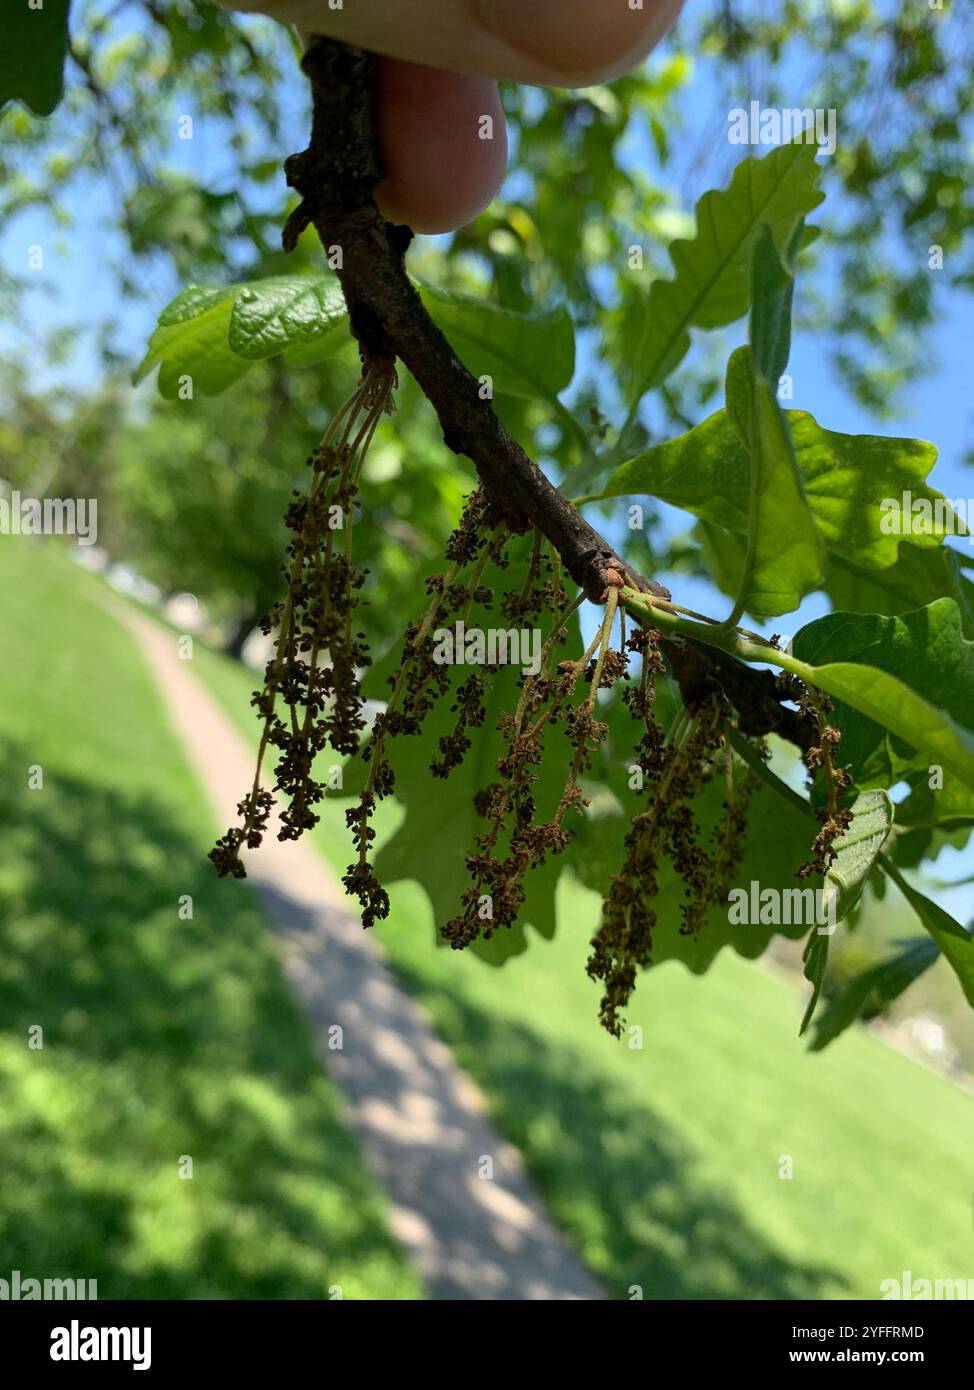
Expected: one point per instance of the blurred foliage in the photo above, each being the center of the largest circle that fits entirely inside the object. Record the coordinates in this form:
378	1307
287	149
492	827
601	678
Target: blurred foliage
202	496
191	186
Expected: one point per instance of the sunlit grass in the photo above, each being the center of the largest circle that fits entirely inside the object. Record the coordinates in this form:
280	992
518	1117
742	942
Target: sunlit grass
164	1037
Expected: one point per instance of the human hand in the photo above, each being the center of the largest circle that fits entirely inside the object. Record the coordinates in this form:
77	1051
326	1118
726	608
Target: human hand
437	80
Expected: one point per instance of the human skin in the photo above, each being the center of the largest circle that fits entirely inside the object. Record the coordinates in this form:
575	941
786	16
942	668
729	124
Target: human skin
437	79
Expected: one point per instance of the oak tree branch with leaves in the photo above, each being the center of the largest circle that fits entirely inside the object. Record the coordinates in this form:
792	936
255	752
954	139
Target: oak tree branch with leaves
838	693
656	754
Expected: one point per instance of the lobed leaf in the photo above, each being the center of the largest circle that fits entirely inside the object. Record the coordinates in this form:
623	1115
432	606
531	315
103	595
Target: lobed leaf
905	686
195	346
954	941
712	284
869	991
528	355
215	334
917	577
785	555
845	477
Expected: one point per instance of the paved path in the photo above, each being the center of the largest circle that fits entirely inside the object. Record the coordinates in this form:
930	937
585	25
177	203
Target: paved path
420	1119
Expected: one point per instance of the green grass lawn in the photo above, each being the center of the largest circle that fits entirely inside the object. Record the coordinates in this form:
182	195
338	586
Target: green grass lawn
663	1165
163	1037
166	1037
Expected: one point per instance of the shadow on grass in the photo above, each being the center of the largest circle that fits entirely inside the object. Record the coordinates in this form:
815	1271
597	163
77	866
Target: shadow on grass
615	1176
164	1037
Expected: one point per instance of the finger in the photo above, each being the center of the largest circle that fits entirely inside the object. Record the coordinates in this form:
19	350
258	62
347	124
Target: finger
443	142
553	42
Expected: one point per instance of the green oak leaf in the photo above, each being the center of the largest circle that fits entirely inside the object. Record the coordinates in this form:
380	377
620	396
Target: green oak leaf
191	341
32	54
950	806
712	286
905	686
846	478
856	850
849	476
930	817
273	314
772	291
785	554
215	334
705	471
193	301
815	958
527	355
954	941
917	577
868	993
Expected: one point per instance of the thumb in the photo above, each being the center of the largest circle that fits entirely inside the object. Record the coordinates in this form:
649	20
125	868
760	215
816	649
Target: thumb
562	43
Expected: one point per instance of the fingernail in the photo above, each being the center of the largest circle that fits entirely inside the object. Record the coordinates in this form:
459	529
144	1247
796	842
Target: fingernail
522	24
580	37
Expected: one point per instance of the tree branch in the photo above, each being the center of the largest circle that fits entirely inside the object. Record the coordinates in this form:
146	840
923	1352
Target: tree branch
335	177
